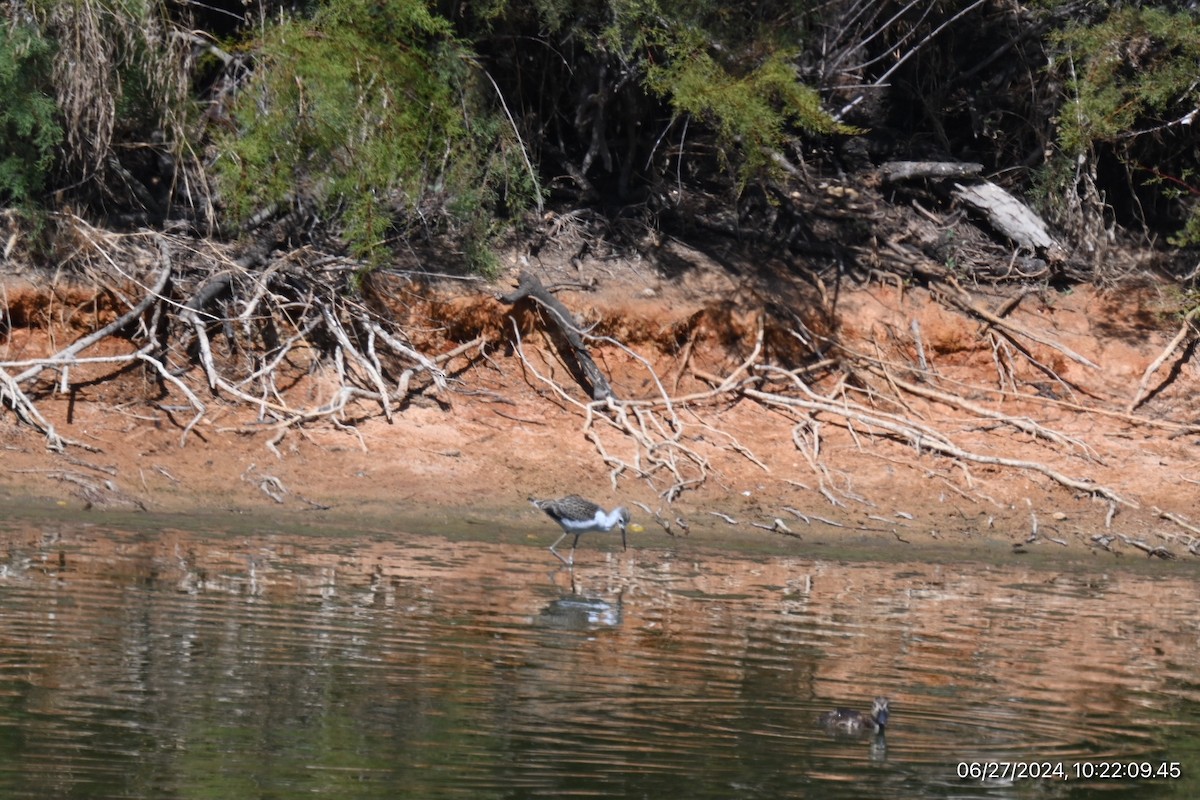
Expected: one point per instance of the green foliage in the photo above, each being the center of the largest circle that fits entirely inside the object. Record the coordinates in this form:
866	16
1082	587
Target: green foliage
29	131
750	112
1137	63
1132	84
1190	233
369	108
727	65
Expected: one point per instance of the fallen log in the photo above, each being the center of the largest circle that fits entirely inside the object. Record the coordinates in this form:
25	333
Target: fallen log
906	170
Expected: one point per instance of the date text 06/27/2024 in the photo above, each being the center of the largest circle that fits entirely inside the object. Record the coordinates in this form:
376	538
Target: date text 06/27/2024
1068	771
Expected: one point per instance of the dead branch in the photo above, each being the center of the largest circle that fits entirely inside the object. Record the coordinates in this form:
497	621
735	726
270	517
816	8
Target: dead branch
178	384
658	443
1178	520
1020	423
895	171
94	494
1011	217
427	364
153	295
14	398
530	286
1150	550
363	362
190	316
269	485
1187	329
923	437
777	526
478	341
960	298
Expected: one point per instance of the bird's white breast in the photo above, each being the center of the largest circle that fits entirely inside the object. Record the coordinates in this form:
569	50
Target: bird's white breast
599	522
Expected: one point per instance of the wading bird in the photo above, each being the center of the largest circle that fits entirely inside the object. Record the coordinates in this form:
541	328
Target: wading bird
578	516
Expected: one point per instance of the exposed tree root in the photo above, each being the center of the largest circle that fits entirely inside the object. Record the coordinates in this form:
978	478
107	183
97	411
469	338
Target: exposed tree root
12	396
272	317
211	329
1186	331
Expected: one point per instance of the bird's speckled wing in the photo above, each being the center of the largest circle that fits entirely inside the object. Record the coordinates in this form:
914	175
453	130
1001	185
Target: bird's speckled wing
572	507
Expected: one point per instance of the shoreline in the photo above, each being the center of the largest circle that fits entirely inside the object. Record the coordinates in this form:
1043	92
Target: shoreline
518	524
510	425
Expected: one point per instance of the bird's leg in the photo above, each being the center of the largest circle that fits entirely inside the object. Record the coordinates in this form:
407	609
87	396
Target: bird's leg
556	555
573	545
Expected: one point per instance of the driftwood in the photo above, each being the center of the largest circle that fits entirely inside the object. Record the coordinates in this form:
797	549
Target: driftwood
1011	217
906	170
578	359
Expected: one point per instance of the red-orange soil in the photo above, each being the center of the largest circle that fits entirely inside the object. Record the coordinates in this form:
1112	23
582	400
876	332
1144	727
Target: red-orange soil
500	433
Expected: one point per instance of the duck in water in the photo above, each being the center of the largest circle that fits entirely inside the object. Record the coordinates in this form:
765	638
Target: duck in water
847	720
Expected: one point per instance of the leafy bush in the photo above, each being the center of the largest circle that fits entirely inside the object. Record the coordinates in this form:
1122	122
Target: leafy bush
609	78
29	131
1133	90
730	68
370	109
750	112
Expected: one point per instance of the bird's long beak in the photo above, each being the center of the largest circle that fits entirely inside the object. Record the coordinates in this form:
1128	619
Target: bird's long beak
624	542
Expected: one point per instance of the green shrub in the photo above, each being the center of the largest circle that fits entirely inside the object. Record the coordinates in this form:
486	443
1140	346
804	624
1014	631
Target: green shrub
750	113
1132	83
29	131
728	66
371	110
1137	63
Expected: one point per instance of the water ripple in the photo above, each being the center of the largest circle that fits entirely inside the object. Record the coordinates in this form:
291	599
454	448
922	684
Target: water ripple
172	663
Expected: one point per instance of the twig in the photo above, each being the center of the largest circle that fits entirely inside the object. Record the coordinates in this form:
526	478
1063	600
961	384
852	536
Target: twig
777	527
178	384
1150	550
1178	520
961	299
478	341
428	364
1020	423
1185	330
363	362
